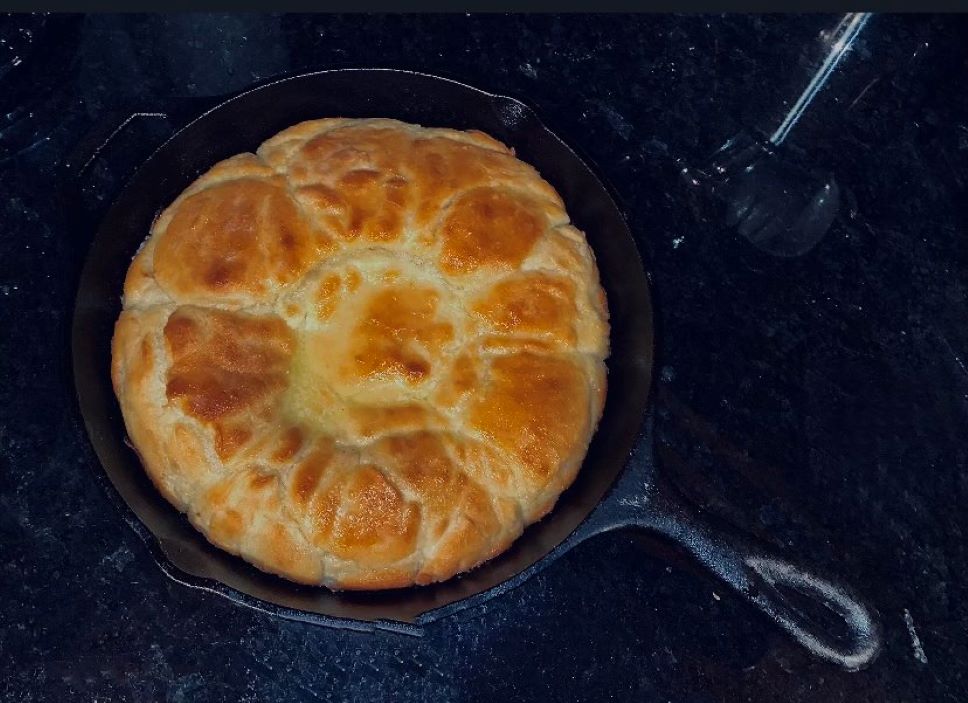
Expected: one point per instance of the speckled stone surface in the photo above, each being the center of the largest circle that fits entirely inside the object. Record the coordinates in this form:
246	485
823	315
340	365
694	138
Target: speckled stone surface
819	403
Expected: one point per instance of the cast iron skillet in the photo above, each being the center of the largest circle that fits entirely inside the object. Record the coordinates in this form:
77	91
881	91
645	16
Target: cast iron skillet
617	486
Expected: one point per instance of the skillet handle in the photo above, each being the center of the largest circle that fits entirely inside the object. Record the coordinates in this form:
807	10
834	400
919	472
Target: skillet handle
103	159
821	614
101	137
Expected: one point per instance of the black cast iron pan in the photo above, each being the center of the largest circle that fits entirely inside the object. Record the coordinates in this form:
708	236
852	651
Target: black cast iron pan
617	486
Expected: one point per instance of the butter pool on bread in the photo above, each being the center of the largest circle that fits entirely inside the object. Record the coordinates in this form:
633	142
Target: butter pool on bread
366	356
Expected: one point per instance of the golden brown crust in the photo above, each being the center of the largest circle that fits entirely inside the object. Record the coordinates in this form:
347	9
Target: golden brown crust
366	356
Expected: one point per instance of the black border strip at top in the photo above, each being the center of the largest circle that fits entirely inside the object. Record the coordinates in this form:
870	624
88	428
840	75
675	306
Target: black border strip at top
489	6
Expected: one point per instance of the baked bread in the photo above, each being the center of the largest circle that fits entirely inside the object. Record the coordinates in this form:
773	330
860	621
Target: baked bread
366	356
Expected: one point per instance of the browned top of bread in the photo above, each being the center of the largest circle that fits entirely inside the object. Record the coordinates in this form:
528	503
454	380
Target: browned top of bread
366	356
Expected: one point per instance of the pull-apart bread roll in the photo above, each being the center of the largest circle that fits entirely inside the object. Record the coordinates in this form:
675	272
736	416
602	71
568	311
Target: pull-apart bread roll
366	356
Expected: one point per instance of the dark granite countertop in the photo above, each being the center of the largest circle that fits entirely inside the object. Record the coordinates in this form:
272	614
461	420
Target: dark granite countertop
818	402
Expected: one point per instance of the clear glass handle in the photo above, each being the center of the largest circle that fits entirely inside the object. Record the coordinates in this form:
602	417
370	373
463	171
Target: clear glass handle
840	41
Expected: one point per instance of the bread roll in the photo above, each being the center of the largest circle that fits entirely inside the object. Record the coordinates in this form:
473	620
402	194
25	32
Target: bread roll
366	356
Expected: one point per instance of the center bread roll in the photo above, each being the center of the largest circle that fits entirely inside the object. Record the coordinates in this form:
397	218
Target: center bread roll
366	356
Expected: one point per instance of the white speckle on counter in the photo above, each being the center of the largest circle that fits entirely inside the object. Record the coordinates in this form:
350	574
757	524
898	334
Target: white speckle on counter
915	640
